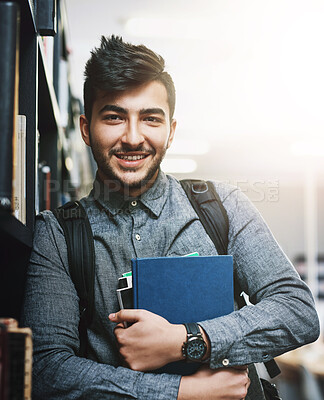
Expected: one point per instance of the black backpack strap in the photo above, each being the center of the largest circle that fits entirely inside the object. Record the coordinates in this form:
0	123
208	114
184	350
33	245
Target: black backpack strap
80	248
210	210
213	216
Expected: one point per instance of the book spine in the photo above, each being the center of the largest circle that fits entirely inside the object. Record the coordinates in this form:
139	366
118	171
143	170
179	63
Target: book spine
9	23
135	281
4	362
20	364
19	181
46	17
16	354
28	365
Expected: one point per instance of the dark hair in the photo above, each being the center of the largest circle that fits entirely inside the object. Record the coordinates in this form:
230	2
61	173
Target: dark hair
117	66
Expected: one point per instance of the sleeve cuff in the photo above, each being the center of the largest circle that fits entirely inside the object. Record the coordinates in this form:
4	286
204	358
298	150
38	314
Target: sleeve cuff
165	387
220	341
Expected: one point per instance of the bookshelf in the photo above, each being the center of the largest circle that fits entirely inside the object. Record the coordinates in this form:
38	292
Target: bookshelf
39	90
42	164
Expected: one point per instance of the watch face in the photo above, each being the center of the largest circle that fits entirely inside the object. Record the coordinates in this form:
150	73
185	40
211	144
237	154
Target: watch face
196	349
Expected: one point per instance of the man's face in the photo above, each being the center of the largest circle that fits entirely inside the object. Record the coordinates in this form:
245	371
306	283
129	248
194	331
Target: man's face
129	134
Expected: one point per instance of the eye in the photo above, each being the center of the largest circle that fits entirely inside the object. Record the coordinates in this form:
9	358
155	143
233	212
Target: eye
113	118
153	120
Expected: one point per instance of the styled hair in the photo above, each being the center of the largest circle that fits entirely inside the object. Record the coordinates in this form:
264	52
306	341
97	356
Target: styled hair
117	66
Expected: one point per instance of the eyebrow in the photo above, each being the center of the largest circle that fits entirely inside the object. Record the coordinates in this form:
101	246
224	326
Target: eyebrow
143	111
156	110
112	107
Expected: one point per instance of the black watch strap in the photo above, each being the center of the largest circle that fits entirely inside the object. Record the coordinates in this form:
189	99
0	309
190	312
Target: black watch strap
195	347
192	328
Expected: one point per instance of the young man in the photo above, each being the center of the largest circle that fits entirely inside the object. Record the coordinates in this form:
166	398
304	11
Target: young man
135	210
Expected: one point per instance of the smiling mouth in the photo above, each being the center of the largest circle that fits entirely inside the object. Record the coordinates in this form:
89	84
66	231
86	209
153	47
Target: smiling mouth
131	157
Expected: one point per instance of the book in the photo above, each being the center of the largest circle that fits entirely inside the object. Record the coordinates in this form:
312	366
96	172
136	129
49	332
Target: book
44	183
18	346
19	175
184	289
46	17
4	363
9	62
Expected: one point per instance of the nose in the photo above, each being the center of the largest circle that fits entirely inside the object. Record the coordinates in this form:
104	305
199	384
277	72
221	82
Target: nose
133	136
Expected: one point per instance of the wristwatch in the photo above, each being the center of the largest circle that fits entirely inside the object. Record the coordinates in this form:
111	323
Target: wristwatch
195	347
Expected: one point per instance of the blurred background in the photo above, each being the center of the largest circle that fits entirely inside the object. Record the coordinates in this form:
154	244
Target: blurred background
249	76
250	99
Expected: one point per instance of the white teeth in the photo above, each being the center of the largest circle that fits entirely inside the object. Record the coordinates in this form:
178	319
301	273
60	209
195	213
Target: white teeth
131	158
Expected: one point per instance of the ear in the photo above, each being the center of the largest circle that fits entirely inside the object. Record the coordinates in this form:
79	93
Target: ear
172	132
85	129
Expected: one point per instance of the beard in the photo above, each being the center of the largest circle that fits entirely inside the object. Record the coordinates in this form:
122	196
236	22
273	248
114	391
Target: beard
123	177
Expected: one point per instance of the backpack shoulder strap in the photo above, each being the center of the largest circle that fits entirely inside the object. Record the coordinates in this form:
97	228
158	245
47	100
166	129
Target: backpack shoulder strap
213	216
74	221
210	210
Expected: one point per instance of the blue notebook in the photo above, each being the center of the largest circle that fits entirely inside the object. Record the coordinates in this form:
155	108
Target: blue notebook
184	289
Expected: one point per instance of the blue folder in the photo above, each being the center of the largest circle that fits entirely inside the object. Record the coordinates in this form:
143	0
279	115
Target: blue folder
184	289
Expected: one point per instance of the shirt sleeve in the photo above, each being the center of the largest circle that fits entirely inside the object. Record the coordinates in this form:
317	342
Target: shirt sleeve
51	310
282	315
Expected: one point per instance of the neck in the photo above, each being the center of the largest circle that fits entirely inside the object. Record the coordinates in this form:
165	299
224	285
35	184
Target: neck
126	190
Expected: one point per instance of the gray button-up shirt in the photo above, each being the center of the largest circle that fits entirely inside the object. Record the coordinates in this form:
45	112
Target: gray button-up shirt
161	222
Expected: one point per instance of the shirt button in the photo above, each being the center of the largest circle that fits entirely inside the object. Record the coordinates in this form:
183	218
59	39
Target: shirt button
225	362
137	236
134	203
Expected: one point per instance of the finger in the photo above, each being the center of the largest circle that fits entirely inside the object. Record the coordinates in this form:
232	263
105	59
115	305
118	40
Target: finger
120	325
126	315
247	387
248	383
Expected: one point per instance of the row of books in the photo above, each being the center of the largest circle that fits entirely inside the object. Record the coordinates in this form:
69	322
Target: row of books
15	151
15	360
13	134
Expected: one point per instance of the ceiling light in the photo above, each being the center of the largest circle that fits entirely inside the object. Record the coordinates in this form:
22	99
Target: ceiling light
168	27
306	148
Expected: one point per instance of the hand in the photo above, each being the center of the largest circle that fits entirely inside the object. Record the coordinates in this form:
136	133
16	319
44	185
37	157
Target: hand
150	342
219	384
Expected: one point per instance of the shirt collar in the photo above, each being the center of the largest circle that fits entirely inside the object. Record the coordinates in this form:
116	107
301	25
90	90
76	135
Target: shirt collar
113	201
